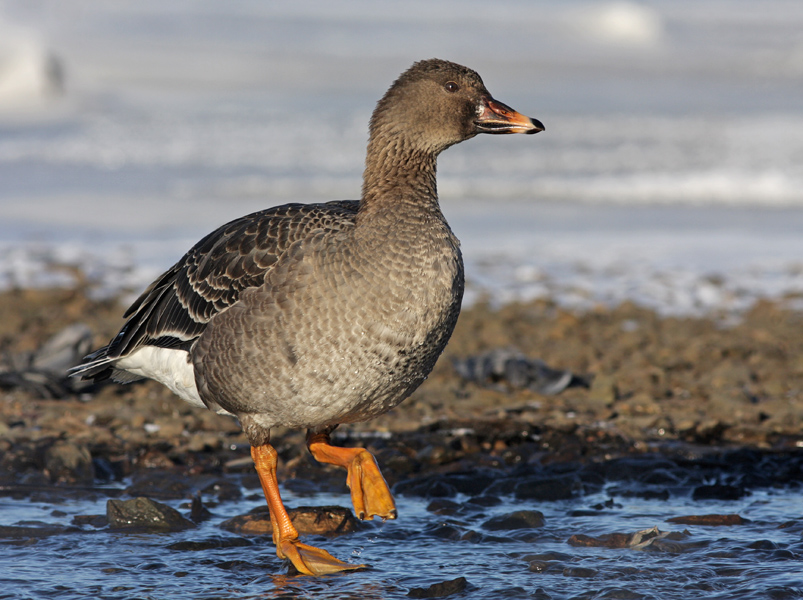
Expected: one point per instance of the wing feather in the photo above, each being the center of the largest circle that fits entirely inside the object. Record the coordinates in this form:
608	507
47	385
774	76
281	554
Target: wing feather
175	309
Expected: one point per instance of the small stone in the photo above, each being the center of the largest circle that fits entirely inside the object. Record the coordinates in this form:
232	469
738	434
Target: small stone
442	506
223	490
145	514
520	519
96	521
548	488
709	520
22	532
210	544
608	540
440	590
320	520
718	491
198	511
485	501
162	484
638	540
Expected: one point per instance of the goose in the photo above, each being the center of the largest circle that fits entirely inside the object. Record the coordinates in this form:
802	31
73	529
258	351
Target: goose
311	315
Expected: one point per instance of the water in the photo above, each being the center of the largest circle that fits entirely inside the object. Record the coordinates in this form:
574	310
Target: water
759	559
672	153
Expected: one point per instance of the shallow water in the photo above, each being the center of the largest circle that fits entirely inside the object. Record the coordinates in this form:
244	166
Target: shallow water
762	558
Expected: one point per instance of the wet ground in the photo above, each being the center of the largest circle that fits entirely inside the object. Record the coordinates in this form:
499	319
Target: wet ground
677	472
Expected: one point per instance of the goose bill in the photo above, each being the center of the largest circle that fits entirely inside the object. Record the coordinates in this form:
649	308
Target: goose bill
496	117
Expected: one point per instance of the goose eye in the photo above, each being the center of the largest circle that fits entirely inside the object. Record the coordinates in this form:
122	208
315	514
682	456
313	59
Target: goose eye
451	86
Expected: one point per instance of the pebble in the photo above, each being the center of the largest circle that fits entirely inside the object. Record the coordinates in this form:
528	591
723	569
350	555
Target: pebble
320	520
440	590
718	491
638	540
38	531
709	520
548	488
96	521
519	519
144	514
165	485
212	543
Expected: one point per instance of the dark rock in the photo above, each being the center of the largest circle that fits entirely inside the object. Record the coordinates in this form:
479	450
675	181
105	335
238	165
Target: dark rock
395	464
718	491
426	487
164	485
223	490
210	544
144	514
302	487
608	540
511	367
638	540
236	565
198	511
540	566
661	477
444	531
472	536
548	556
634	468
40	531
320	520
440	590
472	484
501	487
548	488
520	519
485	501
763	545
639	493
437	454
710	520
443	506
96	521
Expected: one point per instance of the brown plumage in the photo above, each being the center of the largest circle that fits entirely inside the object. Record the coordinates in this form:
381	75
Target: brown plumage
309	316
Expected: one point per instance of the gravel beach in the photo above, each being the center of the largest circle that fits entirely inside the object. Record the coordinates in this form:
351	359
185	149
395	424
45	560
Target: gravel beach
651	381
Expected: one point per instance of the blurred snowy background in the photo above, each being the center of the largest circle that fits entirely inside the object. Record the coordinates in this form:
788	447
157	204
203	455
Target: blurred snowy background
670	172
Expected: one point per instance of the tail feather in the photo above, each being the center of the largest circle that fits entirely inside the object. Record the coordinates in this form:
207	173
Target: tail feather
95	367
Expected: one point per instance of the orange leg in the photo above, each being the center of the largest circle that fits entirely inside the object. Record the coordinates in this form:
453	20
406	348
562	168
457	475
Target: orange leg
307	559
369	491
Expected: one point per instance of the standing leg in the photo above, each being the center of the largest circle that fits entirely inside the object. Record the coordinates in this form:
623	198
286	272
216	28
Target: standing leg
369	491
307	559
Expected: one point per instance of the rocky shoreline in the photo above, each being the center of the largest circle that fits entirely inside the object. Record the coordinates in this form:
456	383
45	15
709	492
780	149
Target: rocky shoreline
652	381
